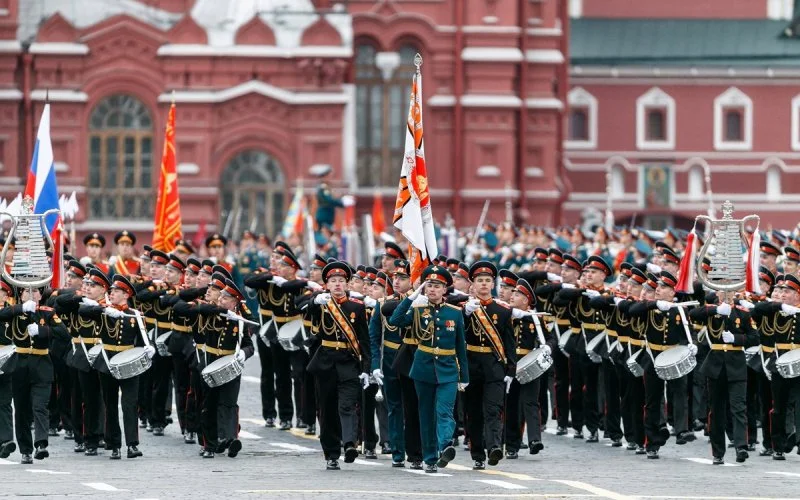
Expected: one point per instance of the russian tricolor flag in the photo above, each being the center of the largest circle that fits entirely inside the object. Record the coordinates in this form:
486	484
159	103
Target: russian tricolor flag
42	187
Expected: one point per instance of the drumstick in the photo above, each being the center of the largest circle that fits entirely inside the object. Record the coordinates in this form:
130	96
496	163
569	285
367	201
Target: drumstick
538	326
235	317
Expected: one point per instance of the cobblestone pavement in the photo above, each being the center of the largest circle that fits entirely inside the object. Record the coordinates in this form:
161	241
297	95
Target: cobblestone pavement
276	464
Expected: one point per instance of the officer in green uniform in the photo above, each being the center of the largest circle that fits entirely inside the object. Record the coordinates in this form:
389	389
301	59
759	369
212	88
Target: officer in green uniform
326	203
440	362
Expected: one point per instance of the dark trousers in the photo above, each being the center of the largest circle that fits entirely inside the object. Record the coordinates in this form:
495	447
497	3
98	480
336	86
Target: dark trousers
60	396
753	406
6	424
529	406
337	413
298	361
111	396
393	401
583	400
545	393
76	404
633	407
30	383
699	387
371	410
145	399
727	396
484	416
92	407
161	373
781	392
309	399
653	406
561	374
180	376
281	364
411	416
765	390
194	401
267	380
611	386
220	414
514	423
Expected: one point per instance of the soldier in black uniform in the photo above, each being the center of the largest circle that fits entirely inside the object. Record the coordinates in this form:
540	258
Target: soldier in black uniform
492	357
730	330
118	333
342	360
7	444
32	327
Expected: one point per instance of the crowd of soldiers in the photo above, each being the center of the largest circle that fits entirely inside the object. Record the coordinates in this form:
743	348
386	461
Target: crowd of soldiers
434	362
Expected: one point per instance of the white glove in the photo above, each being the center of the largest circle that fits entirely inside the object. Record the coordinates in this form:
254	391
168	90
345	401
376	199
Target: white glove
663	305
420	301
150	351
241	356
567	285
278	280
232	316
746	304
370	302
591	293
417	292
29	306
653	268
313	285
348	200
554	277
508	381
356	295
364	380
33	330
693	349
724	309
158	282
89	302
377	374
322	298
518	313
790	310
471	306
114	313
462	386
727	337
617	300
547	349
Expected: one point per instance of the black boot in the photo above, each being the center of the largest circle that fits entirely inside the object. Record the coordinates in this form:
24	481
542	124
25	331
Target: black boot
115	454
134	452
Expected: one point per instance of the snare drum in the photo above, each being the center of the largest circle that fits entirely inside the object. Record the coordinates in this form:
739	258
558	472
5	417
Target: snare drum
93	353
633	365
222	371
290	335
130	363
533	365
597	349
562	341
5	355
675	363
788	364
752	356
161	344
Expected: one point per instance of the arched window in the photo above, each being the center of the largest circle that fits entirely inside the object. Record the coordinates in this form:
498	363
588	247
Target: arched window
696	182
121	159
773	182
252	194
617	182
383	85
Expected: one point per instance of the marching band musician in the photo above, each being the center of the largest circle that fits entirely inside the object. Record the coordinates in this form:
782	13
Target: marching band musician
341	361
766	324
663	330
492	364
32	327
125	262
7	444
439	368
87	404
94	244
118	333
729	329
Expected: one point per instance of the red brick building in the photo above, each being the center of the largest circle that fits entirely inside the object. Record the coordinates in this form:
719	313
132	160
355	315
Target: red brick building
267	91
662	93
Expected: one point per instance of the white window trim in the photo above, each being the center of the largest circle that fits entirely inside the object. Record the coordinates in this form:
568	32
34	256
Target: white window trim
696	181
796	123
733	98
773	180
579	97
655	98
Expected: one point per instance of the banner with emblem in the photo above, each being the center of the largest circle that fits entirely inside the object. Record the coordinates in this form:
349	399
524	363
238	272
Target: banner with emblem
412	211
168	204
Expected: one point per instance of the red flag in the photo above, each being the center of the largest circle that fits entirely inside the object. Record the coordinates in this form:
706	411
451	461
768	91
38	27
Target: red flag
687	269
200	235
168	205
378	222
58	279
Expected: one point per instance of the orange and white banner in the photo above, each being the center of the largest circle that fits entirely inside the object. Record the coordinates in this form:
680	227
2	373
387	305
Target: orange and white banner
412	211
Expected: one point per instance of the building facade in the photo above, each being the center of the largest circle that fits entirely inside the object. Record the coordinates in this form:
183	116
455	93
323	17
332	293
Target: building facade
671	102
269	91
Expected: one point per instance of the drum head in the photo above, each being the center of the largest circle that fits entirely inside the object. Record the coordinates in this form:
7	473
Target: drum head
672	356
291	329
95	350
216	365
126	356
789	358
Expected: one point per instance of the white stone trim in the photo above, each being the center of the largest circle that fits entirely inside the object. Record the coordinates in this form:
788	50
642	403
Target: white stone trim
544	56
59	95
575	8
497	30
10	95
534	172
580	97
544	103
796	123
557	31
491	54
442	100
349	146
779	10
544	194
133	225
188	168
488	171
201	50
10	46
59	48
695	191
733	98
655	98
60	166
773	182
254	86
387	62
491	101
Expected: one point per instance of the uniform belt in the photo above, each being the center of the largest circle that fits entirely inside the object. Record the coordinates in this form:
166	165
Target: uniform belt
219	352
547	318
181	328
199	346
595	327
635	342
522	351
767	349
164	324
787	347
410	341
334	345
436	351
562	322
623	338
659	347
285	319
77	340
478	348
149	321
307	323
31	350
117	348
611	333
726	347
265	312
391	345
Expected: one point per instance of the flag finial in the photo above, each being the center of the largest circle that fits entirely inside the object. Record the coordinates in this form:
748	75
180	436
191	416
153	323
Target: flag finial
417	60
